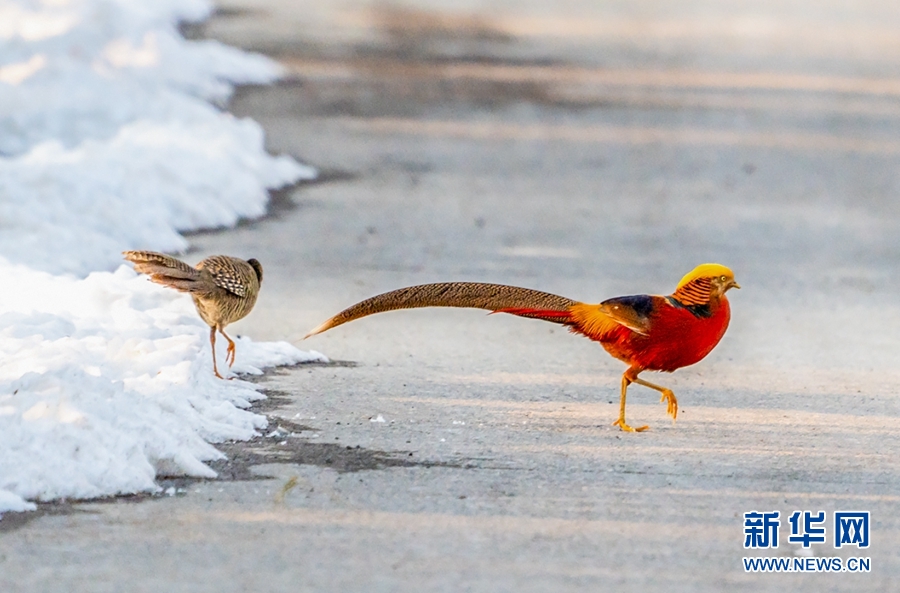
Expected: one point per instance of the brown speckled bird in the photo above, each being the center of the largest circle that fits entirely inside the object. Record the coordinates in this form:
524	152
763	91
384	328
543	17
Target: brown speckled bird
224	288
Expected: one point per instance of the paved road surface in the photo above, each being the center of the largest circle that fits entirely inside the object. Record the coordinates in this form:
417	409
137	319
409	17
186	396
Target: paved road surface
586	149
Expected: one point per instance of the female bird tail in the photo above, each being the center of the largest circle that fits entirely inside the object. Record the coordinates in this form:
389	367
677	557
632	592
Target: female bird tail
164	269
497	298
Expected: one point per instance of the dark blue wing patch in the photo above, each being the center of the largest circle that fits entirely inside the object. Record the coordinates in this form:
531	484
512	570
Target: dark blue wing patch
642	304
700	311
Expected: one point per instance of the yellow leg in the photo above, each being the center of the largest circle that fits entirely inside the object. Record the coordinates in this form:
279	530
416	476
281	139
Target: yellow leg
229	357
627	378
667	396
212	343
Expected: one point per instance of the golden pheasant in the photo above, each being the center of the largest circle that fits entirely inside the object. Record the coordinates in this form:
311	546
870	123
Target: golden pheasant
224	288
647	332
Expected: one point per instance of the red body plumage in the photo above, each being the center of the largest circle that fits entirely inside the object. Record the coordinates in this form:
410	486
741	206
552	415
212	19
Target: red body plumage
676	337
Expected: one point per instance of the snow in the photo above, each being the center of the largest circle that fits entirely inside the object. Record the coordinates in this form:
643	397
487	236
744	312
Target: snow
75	210
105	111
84	68
110	139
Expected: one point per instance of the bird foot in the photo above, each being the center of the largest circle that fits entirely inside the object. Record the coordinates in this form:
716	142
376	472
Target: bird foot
672	403
218	375
229	356
621	424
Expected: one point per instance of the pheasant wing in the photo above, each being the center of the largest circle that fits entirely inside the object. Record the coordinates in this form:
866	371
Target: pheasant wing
600	321
228	273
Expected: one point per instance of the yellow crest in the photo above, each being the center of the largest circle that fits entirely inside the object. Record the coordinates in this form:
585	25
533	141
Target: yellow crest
706	271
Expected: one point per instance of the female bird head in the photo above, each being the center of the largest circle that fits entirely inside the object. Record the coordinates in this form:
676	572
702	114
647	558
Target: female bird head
257	267
705	283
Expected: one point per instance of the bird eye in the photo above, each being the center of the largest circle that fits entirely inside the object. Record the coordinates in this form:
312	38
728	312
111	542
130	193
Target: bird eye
723	278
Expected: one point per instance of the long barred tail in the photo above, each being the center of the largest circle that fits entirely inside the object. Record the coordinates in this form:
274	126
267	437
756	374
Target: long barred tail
166	270
497	298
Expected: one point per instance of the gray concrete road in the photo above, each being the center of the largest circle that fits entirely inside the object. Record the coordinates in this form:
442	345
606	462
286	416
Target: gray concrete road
586	149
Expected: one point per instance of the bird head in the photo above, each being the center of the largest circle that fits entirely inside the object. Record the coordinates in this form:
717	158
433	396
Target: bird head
257	267
724	282
703	283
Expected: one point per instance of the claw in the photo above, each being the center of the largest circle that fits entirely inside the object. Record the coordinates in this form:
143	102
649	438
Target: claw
621	424
672	406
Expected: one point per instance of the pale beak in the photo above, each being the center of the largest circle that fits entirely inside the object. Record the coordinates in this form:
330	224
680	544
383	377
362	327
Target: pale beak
733	284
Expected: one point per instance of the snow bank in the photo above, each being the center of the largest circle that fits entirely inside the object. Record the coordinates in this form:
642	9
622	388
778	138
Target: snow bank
105	109
75	210
107	381
110	140
84	68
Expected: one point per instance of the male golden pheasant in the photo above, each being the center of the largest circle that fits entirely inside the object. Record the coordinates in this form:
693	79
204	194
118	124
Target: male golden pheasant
647	332
224	288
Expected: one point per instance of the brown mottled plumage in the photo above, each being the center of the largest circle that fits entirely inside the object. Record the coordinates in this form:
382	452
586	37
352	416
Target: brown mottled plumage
224	288
474	295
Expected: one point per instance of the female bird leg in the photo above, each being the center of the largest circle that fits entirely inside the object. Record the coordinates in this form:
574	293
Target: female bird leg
667	396
628	377
229	357
212	343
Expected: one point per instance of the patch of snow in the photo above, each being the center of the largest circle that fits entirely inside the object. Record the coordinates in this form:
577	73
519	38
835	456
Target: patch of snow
108	142
279	432
10	502
378	418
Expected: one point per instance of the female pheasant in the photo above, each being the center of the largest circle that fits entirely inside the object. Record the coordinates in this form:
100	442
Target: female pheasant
646	332
224	288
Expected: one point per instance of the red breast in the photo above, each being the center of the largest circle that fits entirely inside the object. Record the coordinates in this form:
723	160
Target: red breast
677	337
